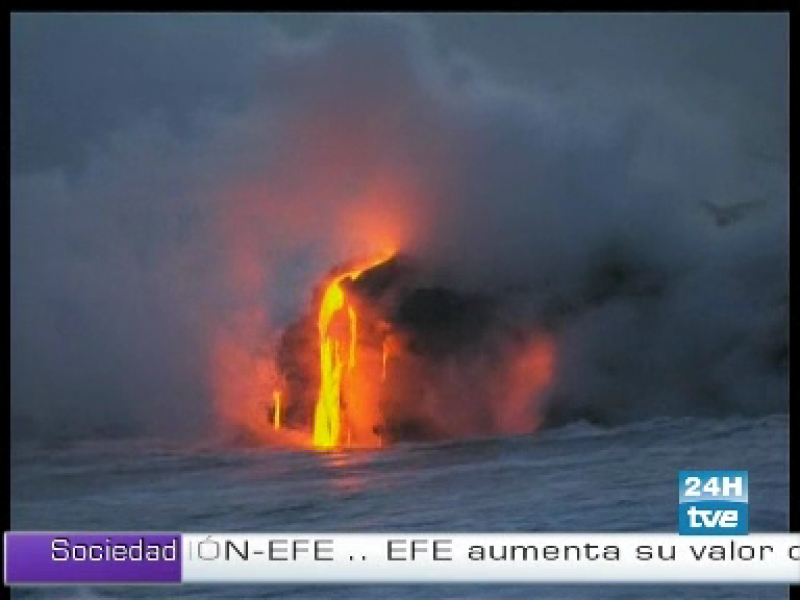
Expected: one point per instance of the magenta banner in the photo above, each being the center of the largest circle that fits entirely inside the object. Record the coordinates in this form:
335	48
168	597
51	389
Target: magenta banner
50	557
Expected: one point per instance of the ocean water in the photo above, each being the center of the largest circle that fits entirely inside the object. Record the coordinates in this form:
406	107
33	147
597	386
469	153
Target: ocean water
579	478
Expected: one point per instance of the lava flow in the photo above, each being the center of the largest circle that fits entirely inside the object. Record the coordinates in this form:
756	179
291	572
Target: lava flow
338	337
276	419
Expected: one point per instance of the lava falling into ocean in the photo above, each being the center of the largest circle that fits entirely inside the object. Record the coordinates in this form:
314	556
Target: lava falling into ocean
387	354
382	357
339	367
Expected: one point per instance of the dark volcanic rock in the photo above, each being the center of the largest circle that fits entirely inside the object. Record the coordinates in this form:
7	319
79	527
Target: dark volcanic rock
440	321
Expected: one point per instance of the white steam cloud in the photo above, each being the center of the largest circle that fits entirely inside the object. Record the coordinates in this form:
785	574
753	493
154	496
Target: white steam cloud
639	226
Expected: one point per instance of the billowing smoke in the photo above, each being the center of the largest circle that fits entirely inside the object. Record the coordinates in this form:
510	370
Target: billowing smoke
633	223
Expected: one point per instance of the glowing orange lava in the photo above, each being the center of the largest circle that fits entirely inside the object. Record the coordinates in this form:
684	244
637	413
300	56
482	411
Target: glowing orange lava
338	334
276	419
527	377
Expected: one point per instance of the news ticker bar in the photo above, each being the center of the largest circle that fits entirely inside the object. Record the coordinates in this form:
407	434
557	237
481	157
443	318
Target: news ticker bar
32	558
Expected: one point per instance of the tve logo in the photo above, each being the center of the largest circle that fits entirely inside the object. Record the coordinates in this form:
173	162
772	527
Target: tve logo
713	502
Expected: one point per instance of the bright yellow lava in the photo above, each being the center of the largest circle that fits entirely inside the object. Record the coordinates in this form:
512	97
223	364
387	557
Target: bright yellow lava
335	365
276	397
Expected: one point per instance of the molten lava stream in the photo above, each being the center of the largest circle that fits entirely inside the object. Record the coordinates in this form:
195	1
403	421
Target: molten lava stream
276	419
338	337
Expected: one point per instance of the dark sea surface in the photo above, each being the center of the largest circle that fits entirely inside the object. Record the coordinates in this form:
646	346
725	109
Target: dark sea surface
579	478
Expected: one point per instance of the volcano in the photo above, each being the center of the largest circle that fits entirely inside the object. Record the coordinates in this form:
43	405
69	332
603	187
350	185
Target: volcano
386	355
